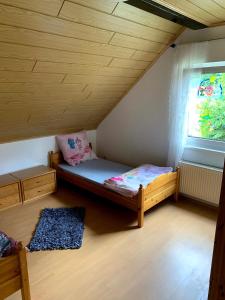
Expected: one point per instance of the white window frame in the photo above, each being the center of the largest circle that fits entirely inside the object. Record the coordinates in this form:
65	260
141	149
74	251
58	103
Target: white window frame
205	151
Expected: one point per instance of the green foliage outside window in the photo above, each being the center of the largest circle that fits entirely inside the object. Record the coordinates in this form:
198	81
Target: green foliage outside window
212	119
212	106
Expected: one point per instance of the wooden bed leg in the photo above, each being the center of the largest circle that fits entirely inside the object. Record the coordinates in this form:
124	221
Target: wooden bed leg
140	207
176	195
140	219
25	287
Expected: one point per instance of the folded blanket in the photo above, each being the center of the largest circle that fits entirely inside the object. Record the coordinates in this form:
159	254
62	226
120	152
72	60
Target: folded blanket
128	183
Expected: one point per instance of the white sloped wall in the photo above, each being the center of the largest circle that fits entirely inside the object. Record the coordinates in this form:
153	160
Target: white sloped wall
136	131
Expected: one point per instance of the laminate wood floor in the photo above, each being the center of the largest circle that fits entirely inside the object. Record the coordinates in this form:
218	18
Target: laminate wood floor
169	258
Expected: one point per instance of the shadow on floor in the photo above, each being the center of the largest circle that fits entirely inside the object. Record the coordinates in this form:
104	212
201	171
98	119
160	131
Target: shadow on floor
107	217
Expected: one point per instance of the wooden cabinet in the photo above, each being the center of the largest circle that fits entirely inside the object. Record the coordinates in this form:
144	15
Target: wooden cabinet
9	191
36	182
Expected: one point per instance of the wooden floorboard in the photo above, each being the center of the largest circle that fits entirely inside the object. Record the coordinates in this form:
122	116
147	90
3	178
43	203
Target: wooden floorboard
168	259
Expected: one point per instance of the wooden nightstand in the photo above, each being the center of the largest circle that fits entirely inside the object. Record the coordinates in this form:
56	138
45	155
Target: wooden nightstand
36	182
9	191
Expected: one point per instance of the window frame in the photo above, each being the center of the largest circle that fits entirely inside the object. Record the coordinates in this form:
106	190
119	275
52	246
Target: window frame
201	150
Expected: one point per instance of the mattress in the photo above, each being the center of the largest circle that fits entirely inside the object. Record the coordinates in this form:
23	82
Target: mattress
96	170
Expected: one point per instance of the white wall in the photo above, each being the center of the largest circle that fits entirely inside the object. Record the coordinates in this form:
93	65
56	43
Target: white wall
216	36
136	131
207	34
28	153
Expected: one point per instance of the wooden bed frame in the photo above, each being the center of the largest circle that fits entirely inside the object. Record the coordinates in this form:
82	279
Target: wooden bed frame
14	275
158	190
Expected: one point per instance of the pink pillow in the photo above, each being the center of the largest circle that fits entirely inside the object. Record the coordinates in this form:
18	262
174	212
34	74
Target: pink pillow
75	147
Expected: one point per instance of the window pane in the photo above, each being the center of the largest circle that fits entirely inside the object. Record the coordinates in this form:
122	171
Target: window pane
207	107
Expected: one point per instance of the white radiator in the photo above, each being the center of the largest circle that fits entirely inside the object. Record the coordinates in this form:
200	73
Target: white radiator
201	182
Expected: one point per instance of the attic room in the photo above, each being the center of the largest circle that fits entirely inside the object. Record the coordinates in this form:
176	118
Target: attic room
112	147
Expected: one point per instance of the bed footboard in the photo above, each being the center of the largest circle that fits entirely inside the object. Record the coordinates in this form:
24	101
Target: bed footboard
158	190
14	275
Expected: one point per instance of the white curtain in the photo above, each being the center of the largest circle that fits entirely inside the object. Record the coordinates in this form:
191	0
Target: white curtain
185	57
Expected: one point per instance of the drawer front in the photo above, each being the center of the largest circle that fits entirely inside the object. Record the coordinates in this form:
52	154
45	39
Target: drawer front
9	190
39	191
39	181
9	200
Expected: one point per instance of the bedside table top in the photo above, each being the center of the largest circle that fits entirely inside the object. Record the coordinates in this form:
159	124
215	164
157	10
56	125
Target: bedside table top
32	172
7	179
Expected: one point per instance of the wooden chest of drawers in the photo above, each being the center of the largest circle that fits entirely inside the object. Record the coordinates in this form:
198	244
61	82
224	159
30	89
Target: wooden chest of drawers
9	191
36	182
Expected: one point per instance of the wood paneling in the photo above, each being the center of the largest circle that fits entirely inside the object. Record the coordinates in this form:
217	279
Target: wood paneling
40	22
84	15
31	88
208	12
139	16
11	64
50	67
103	91
102	5
210	6
145	56
65	64
37	53
128	63
7	76
39	39
48	7
220	2
136	43
85	79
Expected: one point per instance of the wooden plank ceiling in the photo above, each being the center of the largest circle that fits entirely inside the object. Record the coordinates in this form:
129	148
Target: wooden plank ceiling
65	64
208	12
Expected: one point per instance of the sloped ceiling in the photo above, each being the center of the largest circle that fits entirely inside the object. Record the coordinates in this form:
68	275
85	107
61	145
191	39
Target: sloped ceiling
208	12
65	64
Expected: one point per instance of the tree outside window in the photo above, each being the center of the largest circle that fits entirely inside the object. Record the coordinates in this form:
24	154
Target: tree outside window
207	107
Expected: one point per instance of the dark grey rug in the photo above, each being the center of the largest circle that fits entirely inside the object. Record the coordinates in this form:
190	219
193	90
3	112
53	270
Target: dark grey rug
59	228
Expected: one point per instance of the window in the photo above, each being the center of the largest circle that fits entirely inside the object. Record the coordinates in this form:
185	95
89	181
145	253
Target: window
206	118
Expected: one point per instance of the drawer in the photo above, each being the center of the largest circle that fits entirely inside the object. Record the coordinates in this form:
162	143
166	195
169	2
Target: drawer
9	200
8	190
39	181
39	191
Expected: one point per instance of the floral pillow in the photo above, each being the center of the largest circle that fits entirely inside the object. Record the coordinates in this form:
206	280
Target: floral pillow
75	147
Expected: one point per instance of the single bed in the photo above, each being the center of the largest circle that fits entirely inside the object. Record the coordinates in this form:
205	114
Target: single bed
91	175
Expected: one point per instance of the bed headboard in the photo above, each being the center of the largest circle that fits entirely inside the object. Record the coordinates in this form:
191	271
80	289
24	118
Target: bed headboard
55	158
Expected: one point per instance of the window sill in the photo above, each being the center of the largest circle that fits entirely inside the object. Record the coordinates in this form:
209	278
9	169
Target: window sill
204	156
